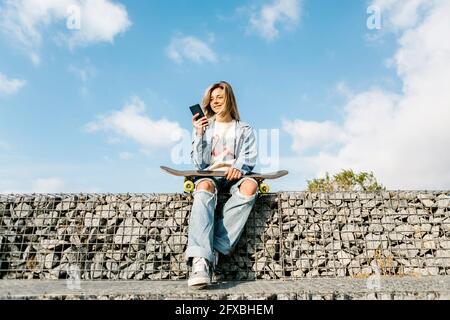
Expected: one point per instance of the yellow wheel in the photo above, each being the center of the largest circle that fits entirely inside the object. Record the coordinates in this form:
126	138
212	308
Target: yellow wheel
264	188
188	186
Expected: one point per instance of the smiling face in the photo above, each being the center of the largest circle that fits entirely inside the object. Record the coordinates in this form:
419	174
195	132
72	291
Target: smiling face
217	101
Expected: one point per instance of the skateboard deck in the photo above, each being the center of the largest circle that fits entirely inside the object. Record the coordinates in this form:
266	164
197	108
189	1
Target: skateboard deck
189	176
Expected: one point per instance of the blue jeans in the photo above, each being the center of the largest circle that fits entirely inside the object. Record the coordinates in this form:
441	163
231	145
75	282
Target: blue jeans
205	234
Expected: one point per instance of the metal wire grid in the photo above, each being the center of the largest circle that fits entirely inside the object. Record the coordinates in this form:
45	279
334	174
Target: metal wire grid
288	235
363	234
94	236
107	236
256	255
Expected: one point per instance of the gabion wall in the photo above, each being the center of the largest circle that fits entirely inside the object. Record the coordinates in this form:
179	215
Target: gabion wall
288	235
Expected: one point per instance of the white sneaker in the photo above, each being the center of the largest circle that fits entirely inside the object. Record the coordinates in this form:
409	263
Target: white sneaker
200	276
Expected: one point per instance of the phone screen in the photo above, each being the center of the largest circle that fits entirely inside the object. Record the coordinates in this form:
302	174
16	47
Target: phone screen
197	109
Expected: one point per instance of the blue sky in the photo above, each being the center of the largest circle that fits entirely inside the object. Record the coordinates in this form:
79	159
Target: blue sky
78	107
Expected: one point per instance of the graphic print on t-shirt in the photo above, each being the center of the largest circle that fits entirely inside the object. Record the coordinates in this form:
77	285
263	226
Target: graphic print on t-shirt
222	156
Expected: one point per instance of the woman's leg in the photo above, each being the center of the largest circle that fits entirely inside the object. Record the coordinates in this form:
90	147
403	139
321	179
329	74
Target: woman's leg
201	221
228	229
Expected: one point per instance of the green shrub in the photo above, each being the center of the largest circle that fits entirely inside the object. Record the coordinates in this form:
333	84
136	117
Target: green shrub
346	180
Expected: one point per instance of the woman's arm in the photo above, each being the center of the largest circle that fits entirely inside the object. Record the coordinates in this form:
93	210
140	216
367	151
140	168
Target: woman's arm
199	145
248	154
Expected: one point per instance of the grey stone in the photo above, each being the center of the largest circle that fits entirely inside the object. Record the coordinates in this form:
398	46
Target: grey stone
320	206
395	236
106	211
50	260
22	210
91	220
435	230
135	203
333	246
172	224
151	246
374	242
414	219
260	265
303	263
130	271
124	210
348	232
443	201
165	234
442	258
428	242
298	229
96	270
129	231
388	223
177	243
406	250
50	244
405	229
149	212
428	203
112	266
289	225
376	226
114	255
273	232
67	204
180	216
344	257
444	244
277	270
271	247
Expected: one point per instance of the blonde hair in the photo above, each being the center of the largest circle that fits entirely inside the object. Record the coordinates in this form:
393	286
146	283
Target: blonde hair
230	101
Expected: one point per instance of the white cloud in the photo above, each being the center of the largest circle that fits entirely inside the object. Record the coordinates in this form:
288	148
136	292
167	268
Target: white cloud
398	15
10	86
402	137
25	21
190	48
48	185
132	123
82	73
35	58
310	134
280	13
126	155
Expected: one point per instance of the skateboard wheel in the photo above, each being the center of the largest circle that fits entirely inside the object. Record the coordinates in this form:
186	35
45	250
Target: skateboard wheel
264	188
188	186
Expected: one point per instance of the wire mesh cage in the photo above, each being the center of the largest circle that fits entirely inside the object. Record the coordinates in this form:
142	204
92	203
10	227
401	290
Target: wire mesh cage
363	234
288	235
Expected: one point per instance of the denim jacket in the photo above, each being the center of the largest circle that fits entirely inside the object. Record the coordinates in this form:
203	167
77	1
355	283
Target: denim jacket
244	144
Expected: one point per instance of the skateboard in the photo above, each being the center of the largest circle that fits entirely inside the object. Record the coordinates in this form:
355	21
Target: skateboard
189	176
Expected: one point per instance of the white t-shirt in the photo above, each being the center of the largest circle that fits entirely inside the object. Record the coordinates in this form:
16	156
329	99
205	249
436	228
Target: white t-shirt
222	156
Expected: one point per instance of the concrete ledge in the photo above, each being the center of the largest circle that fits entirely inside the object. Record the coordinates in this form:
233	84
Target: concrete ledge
387	288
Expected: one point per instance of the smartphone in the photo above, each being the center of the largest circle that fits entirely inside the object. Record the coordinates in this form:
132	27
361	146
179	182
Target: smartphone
197	109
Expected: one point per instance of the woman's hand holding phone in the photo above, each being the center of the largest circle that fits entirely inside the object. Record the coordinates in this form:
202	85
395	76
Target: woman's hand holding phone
199	124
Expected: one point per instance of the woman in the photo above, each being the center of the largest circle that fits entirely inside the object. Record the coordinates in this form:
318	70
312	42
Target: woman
224	143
